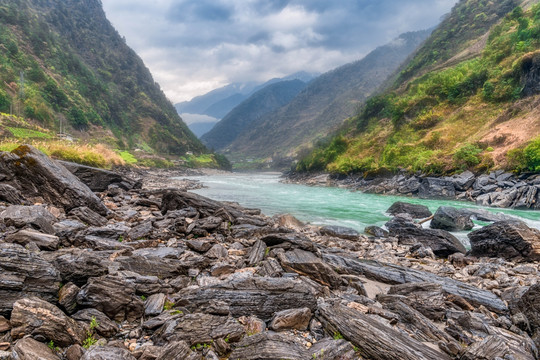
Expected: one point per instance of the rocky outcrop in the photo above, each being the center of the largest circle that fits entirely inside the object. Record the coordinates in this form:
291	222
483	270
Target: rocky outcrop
416	211
451	219
98	179
506	239
36	176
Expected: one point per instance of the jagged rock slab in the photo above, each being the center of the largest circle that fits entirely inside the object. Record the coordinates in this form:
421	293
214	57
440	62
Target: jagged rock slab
112	295
98	179
198	329
45	322
496	347
259	296
11	195
176	200
67	297
36	175
106	327
24	274
269	346
373	339
177	350
306	263
88	216
333	349
393	274
291	319
507	239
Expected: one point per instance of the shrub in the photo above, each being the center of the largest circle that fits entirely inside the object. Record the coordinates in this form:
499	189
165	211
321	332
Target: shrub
467	156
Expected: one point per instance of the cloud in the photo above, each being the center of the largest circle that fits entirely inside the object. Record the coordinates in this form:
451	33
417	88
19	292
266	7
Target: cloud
194	46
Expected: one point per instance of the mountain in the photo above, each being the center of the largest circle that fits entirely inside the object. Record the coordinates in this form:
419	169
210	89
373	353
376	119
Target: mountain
64	65
250	111
324	104
468	99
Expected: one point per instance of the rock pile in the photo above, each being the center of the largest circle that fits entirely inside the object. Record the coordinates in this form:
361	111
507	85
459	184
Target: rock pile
137	273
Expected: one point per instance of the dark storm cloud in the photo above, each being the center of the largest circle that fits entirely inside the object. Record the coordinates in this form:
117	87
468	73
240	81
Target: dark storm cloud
194	46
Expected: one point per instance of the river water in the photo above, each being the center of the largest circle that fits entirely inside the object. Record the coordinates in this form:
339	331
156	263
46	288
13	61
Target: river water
322	205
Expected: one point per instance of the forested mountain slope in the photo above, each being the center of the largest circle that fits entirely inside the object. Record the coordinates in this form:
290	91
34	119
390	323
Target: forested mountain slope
63	64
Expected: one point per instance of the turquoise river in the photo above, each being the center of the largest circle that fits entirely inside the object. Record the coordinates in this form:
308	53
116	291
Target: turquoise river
321	205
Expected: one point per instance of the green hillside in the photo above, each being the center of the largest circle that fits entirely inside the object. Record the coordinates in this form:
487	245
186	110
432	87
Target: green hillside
63	67
476	111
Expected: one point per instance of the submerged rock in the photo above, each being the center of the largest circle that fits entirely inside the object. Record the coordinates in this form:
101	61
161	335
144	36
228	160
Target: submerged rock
416	211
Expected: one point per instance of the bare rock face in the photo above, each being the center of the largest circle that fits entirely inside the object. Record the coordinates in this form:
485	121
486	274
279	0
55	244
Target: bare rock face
24	274
451	219
44	321
30	349
98	179
113	296
106	327
43	241
507	239
306	263
177	350
32	217
38	176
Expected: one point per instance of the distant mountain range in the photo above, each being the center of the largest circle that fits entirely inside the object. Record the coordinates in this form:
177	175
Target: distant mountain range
219	102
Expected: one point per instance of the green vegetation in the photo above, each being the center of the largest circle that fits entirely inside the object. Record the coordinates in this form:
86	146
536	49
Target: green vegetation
127	157
22	133
438	122
53	347
212	161
168	305
90	339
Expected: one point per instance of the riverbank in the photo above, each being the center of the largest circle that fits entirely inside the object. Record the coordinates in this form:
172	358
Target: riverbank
106	267
497	189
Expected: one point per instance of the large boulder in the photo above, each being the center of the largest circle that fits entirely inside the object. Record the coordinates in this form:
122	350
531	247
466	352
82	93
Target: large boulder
408	232
24	274
99	179
78	265
451	219
340	232
107	353
506	239
306	263
437	188
30	349
416	211
38	176
44	322
43	241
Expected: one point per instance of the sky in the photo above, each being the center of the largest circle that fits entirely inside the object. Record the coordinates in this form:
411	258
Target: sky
194	46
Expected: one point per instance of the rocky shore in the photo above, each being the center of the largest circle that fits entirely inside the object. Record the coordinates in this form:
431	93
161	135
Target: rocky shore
497	189
100	265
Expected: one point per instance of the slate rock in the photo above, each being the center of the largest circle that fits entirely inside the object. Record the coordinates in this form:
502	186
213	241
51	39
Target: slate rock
441	242
88	216
141	231
78	265
291	319
245	296
25	274
36	175
67	297
463	181
30	349
177	350
34	217
416	211
306	263
43	241
333	350
269	346
257	253
106	327
11	195
97	179
437	188
44	321
154	304
112	295
107	353
376	231
506	239
451	219
340	232
198	328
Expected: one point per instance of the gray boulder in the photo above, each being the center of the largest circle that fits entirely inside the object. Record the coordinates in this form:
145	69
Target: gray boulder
99	179
506	239
33	217
340	232
30	349
451	219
